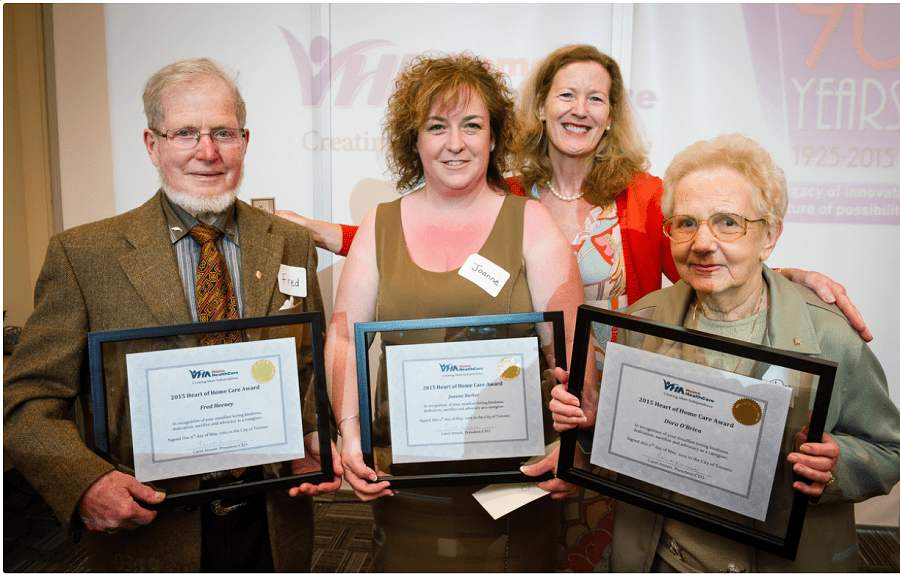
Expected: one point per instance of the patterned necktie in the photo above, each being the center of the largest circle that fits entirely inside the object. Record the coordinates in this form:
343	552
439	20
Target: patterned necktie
215	295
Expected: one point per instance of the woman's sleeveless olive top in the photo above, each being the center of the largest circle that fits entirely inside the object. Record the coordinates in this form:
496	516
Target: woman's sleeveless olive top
406	291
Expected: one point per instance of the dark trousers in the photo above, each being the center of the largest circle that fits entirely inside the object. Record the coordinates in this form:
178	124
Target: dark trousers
238	541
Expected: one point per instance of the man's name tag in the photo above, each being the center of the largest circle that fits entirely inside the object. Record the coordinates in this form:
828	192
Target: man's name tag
292	280
484	273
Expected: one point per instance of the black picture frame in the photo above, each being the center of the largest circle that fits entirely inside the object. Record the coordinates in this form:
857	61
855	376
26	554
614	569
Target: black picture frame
97	430
637	493
442	477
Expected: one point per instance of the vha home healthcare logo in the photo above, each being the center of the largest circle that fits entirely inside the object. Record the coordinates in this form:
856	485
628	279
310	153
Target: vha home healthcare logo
361	72
318	71
351	61
830	75
451	368
679	390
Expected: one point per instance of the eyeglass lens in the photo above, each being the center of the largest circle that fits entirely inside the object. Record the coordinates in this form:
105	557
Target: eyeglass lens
726	226
189	137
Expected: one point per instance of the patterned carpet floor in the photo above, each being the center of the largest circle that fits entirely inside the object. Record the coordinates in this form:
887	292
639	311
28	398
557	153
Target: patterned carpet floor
33	541
343	533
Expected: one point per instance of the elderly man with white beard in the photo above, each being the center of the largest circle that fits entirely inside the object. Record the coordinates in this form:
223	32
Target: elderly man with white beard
139	269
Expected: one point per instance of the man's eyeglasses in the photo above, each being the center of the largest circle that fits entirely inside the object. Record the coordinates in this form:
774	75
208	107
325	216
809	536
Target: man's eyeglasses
188	138
725	226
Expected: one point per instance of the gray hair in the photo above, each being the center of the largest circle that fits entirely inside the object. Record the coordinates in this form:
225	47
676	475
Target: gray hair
184	72
743	155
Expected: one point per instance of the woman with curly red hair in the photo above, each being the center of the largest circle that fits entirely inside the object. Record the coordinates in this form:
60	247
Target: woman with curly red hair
448	126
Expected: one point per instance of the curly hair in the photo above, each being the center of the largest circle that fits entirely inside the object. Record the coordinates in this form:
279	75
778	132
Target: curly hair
428	79
743	155
620	152
184	72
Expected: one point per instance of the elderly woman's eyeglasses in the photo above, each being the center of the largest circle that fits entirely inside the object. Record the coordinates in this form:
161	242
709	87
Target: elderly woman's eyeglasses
188	138
725	226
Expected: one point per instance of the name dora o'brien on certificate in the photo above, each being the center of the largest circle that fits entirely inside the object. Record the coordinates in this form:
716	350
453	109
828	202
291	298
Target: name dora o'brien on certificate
699	416
708	434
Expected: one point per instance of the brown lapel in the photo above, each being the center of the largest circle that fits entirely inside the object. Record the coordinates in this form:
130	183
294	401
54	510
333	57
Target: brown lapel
153	271
261	256
152	268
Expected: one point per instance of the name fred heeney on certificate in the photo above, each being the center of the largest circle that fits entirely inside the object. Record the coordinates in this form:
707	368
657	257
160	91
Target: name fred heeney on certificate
465	400
215	407
708	434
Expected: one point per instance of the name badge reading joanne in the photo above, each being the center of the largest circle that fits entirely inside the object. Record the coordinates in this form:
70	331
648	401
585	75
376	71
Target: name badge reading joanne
292	280
484	273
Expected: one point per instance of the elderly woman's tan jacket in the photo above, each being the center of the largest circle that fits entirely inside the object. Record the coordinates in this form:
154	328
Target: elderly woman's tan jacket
862	419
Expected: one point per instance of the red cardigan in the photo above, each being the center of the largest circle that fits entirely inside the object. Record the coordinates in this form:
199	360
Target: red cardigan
640	221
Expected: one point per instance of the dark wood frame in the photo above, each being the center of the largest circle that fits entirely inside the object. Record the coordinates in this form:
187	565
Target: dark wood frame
100	431
786	546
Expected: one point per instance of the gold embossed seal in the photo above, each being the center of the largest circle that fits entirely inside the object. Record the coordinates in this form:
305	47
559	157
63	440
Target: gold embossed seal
262	371
508	368
747	412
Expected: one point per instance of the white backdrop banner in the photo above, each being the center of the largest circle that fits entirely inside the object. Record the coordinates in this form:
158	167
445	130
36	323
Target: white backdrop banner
828	78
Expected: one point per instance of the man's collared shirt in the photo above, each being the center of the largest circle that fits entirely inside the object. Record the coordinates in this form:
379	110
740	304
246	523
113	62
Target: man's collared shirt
187	251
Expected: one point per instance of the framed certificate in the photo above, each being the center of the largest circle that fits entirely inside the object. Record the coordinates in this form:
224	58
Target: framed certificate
180	410
697	427
457	401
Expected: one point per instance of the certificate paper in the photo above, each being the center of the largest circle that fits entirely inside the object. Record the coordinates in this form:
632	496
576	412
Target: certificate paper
215	407
708	434
465	400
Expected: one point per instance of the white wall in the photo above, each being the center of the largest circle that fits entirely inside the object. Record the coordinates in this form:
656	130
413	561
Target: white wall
82	102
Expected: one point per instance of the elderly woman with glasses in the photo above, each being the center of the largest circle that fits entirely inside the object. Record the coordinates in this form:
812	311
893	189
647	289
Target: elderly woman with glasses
725	200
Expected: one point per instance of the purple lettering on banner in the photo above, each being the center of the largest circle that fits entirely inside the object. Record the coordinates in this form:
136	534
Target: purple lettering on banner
829	77
815	202
350	60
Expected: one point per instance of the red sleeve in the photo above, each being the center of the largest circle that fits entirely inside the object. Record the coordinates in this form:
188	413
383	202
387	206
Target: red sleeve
669	269
647	251
515	186
668	264
348	232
